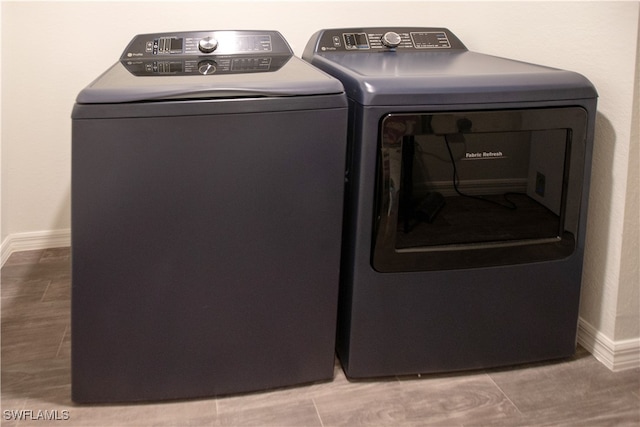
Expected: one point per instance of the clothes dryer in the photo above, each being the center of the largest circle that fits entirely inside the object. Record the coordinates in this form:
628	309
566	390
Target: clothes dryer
207	191
466	202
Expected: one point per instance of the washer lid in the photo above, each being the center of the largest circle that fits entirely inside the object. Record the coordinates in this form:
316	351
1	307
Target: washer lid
205	65
294	78
439	71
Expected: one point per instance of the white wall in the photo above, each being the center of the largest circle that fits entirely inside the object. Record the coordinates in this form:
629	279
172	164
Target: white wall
51	50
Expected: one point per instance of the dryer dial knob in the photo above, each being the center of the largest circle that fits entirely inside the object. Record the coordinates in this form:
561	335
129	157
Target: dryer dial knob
391	39
207	45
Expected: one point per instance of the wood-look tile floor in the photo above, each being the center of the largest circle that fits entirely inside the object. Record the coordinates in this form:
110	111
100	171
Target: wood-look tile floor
36	337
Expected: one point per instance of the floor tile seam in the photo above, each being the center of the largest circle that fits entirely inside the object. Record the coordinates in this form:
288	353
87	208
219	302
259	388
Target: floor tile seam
41	257
28	293
506	396
45	290
217	408
315	406
64	334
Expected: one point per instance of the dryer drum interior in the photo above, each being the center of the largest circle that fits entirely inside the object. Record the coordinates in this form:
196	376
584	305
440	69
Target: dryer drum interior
477	188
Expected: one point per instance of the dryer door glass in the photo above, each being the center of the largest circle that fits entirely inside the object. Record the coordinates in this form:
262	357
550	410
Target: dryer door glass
477	189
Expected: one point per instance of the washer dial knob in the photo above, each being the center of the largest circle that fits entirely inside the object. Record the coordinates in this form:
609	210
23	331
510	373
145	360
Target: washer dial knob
207	44
207	67
391	39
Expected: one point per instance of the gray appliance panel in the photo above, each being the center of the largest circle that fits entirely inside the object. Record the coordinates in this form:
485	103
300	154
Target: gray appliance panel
206	227
424	322
173	108
295	78
205	252
437	76
410	322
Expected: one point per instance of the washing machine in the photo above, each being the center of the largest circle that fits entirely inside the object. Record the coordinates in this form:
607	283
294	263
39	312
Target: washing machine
207	195
465	206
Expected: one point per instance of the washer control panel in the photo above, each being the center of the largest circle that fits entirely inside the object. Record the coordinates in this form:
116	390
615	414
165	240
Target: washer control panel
206	52
205	66
387	39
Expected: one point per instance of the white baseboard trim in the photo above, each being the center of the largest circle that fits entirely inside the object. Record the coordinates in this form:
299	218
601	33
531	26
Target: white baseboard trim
34	240
615	355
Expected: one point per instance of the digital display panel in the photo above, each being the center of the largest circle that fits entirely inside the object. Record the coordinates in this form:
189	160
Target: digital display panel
356	41
176	44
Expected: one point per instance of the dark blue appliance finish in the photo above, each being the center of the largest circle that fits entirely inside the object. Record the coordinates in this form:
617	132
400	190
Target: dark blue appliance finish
435	277
207	192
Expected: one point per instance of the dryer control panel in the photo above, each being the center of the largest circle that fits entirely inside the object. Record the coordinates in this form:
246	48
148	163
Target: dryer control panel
386	39
206	52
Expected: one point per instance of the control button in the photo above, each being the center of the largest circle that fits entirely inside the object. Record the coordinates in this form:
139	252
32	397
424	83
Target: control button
391	39
207	45
207	67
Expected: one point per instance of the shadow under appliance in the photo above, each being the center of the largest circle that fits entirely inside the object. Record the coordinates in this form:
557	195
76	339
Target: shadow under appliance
207	195
465	204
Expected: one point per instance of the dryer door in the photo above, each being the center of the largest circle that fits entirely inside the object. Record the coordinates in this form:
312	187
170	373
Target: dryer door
477	189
